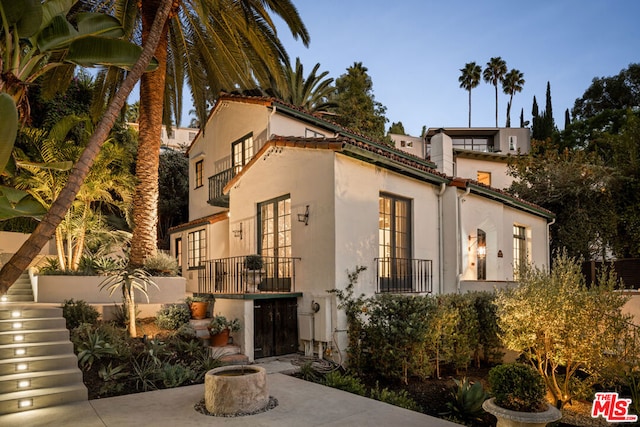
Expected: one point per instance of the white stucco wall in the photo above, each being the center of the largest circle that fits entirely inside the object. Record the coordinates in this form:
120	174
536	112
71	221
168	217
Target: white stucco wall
468	168
497	221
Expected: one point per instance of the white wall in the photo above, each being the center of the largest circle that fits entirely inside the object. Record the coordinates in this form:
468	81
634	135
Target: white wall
468	168
497	221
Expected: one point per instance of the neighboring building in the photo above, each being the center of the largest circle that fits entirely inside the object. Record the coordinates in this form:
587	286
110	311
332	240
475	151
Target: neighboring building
316	201
410	144
176	139
480	154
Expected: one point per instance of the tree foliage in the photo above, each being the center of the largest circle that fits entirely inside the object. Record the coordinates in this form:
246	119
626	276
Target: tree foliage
470	79
173	185
575	186
357	109
561	326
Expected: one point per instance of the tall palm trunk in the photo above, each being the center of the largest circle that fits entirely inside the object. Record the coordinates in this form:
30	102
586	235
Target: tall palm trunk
469	107
496	87
46	228
145	203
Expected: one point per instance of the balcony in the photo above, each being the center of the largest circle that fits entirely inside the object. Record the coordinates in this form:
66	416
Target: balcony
216	185
403	275
229	276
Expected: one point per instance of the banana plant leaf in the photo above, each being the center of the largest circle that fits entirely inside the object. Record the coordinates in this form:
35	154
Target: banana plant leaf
16	203
26	15
91	51
8	128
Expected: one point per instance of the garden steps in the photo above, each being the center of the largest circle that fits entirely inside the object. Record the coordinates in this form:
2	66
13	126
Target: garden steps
21	290
40	369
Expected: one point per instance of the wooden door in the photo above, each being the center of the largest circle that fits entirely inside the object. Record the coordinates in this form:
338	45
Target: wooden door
275	327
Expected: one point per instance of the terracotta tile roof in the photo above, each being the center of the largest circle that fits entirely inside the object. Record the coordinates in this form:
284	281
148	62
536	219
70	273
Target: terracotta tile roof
211	219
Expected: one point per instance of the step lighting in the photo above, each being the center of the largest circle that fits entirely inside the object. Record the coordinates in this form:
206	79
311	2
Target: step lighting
16	313
24	383
20	351
4	298
25	403
19	337
22	366
17	325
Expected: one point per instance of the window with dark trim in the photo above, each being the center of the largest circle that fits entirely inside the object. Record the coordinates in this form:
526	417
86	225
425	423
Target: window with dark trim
199	173
519	248
394	243
242	151
481	254
197	248
178	248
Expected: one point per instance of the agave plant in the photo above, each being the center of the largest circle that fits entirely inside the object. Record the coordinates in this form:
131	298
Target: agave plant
466	400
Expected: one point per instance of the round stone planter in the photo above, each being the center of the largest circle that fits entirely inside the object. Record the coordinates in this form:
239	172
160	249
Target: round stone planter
508	418
236	389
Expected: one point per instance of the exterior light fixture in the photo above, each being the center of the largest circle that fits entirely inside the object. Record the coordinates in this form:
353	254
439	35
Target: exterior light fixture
22	366
24	383
18	338
20	351
4	298
482	251
17	325
15	314
304	217
238	232
25	403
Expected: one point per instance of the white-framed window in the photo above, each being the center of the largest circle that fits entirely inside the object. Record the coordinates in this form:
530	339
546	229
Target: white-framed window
310	133
197	248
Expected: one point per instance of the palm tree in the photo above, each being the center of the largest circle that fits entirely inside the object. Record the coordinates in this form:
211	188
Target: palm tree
469	79
512	83
107	182
46	228
213	45
494	73
312	93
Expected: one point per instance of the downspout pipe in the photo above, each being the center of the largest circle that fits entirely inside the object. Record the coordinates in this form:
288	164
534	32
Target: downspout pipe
459	237
443	187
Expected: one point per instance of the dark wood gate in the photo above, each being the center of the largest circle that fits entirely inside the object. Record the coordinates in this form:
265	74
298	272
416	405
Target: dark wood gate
275	327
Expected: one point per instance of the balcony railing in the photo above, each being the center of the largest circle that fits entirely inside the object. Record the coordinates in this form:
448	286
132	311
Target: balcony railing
216	185
403	275
229	276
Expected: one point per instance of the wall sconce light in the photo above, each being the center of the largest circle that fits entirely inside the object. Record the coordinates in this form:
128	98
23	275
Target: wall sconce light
482	251
500	254
304	217
238	232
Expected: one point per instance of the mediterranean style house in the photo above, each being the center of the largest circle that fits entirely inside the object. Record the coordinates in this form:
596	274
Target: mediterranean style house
316	201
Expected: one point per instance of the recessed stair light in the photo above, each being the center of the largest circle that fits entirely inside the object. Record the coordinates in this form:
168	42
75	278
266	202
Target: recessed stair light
25	403
24	383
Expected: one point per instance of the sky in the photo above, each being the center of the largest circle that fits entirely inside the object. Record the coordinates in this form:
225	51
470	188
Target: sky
414	50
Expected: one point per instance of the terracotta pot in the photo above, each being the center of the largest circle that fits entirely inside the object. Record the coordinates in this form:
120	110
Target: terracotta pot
199	309
220	339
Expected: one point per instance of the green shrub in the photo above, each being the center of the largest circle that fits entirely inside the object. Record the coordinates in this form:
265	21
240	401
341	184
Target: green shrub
175	375
397	398
562	326
172	316
162	264
94	347
518	387
345	382
78	312
466	401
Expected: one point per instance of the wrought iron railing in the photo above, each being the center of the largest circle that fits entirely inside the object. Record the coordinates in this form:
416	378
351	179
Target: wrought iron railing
216	185
403	275
229	276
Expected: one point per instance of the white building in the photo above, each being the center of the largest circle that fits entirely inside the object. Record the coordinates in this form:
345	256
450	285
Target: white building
316	201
